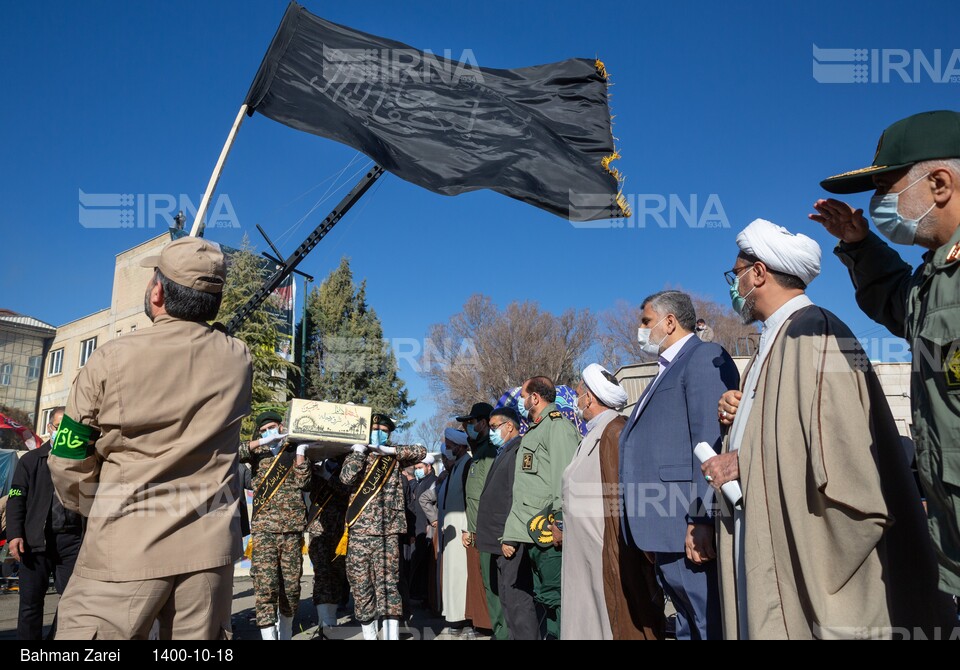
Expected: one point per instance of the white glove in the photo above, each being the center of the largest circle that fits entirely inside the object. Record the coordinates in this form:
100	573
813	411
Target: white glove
359	448
385	450
280	437
301	450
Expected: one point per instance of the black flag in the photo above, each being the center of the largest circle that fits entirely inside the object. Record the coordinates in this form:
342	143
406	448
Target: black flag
538	134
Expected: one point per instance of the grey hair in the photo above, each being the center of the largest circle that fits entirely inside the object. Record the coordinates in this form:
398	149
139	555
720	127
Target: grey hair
674	302
952	164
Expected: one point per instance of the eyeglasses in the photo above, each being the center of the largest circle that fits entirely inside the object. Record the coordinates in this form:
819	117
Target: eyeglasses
733	275
497	427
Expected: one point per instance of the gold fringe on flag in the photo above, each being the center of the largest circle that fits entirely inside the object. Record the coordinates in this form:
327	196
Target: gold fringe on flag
607	160
601	68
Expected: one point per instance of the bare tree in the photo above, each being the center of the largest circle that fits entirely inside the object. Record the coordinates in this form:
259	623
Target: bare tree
619	344
482	351
430	431
728	329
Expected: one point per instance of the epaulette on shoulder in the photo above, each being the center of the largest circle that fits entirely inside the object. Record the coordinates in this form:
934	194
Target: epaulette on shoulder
556	415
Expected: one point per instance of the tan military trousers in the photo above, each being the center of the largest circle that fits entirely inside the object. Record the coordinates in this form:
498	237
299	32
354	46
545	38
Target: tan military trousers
193	606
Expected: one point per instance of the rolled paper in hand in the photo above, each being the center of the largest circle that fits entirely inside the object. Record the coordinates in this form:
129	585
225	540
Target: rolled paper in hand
731	490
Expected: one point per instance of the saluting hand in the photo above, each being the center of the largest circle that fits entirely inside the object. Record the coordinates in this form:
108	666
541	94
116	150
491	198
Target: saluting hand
841	220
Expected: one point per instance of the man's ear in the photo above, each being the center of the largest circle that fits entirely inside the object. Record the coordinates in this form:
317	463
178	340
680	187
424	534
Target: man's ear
944	185
156	295
760	274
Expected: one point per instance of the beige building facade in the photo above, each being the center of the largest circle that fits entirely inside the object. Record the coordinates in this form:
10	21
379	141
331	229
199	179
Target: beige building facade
77	340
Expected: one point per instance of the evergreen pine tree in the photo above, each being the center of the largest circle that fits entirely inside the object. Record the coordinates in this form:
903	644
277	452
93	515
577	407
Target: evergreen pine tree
347	358
271	372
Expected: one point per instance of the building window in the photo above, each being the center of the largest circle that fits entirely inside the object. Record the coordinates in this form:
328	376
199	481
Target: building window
133	328
34	366
5	372
44	421
119	333
56	363
87	347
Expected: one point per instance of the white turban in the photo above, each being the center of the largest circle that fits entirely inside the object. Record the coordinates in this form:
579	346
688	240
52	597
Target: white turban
429	460
609	393
455	436
781	250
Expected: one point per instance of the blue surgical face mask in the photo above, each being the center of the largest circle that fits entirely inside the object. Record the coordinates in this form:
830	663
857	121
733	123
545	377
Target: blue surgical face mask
379	437
885	212
472	432
53	438
495	438
419	474
522	408
739	301
267	434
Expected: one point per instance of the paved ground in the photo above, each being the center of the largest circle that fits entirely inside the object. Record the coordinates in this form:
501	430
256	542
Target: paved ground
422	627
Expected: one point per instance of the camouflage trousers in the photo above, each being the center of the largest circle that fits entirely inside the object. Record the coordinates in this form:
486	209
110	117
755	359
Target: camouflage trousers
373	570
276	565
329	570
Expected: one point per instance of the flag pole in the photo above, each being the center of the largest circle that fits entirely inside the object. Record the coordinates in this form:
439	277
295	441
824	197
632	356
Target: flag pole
197	229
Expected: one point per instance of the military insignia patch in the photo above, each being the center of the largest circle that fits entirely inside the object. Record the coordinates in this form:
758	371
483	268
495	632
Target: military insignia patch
539	528
954	254
951	366
556	415
527	462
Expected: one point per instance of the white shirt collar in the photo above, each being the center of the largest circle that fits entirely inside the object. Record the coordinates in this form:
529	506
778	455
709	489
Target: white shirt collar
671	352
772	325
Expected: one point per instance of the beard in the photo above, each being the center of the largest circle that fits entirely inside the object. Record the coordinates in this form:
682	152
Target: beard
749	314
926	235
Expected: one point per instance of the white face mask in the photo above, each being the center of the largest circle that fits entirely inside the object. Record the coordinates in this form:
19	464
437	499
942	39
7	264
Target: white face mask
643	337
577	409
885	212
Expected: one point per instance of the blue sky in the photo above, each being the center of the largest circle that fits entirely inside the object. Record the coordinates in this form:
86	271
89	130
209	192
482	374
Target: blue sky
709	98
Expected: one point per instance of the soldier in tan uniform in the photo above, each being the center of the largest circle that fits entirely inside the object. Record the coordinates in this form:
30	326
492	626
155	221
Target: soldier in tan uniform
376	517
281	473
147	450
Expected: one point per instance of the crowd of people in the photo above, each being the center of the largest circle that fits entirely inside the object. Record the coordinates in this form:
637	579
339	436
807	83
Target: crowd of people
776	503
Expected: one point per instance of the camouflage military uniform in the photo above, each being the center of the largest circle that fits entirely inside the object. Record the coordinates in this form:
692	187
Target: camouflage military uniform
329	570
276	563
373	552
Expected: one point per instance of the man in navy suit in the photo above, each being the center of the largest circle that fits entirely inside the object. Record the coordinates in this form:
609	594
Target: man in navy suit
667	503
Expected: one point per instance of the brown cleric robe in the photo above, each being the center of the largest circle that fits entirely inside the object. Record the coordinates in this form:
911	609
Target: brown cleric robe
634	599
609	590
834	543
